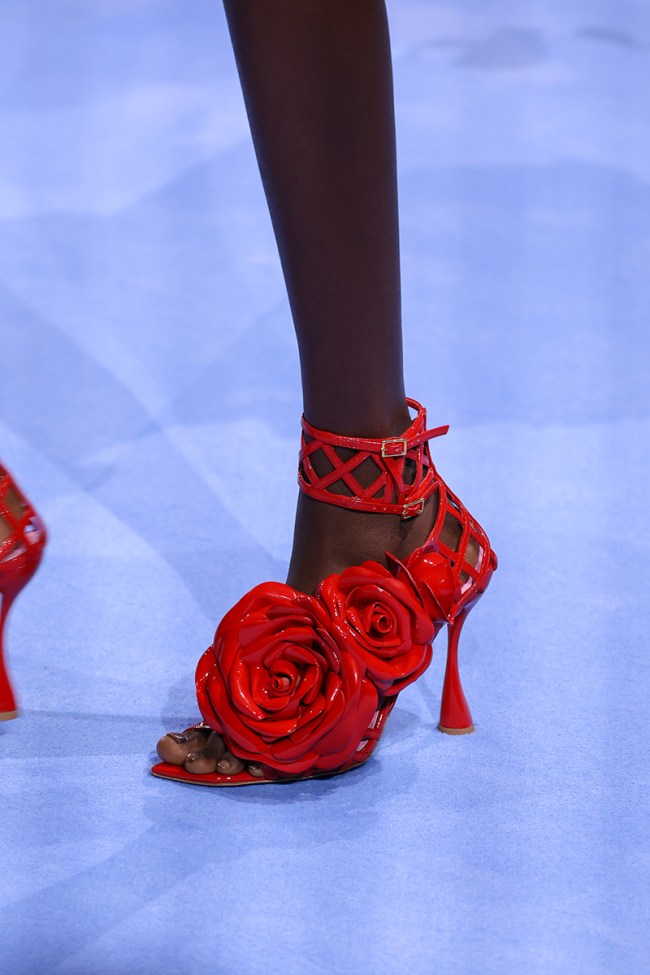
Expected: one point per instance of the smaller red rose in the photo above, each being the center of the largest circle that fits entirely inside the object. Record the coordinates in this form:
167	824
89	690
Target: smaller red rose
387	620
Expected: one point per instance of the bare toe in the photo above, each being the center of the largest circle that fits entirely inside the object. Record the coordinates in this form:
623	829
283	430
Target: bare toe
175	747
201	752
230	765
206	759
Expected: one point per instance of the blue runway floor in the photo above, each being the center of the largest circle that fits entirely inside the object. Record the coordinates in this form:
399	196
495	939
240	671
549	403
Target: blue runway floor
146	347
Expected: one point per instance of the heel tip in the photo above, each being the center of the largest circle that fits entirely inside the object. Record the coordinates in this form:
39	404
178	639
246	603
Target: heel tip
456	731
8	715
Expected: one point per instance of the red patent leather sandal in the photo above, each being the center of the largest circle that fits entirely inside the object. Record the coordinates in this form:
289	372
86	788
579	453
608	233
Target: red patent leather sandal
302	685
22	539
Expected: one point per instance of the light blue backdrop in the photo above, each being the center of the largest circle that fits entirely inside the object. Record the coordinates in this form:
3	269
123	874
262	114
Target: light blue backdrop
148	376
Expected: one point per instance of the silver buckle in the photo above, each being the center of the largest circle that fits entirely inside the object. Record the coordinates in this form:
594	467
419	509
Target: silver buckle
394	447
413	508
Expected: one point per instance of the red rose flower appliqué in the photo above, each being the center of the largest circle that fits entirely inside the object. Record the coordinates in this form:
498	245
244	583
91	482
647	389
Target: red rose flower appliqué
284	684
387	620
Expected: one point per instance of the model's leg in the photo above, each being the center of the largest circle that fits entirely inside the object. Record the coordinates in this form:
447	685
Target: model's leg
316	78
317	81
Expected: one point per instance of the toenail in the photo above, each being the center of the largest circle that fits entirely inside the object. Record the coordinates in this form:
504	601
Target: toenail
192	757
224	765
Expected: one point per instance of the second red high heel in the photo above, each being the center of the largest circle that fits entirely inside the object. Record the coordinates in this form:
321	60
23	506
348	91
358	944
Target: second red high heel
301	686
22	540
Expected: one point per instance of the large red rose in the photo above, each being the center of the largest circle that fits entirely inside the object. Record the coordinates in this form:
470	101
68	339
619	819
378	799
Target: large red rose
386	617
284	685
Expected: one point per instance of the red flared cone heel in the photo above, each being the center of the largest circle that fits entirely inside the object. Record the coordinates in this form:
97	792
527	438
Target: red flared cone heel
455	715
22	540
301	685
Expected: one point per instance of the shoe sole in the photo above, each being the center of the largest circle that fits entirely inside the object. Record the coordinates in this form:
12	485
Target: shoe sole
177	773
8	715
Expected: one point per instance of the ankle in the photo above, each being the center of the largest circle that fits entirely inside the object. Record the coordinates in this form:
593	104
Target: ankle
329	539
373	418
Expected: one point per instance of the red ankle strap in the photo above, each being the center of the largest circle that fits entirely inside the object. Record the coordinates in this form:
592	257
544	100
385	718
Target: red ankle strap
393	457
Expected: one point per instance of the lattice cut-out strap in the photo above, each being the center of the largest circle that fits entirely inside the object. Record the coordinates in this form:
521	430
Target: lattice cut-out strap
393	475
467	549
18	516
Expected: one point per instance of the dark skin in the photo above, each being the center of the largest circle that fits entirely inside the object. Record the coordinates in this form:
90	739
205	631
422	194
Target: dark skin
317	82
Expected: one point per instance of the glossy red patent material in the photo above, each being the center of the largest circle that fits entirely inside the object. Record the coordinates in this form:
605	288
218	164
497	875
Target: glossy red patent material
20	554
302	685
395	489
